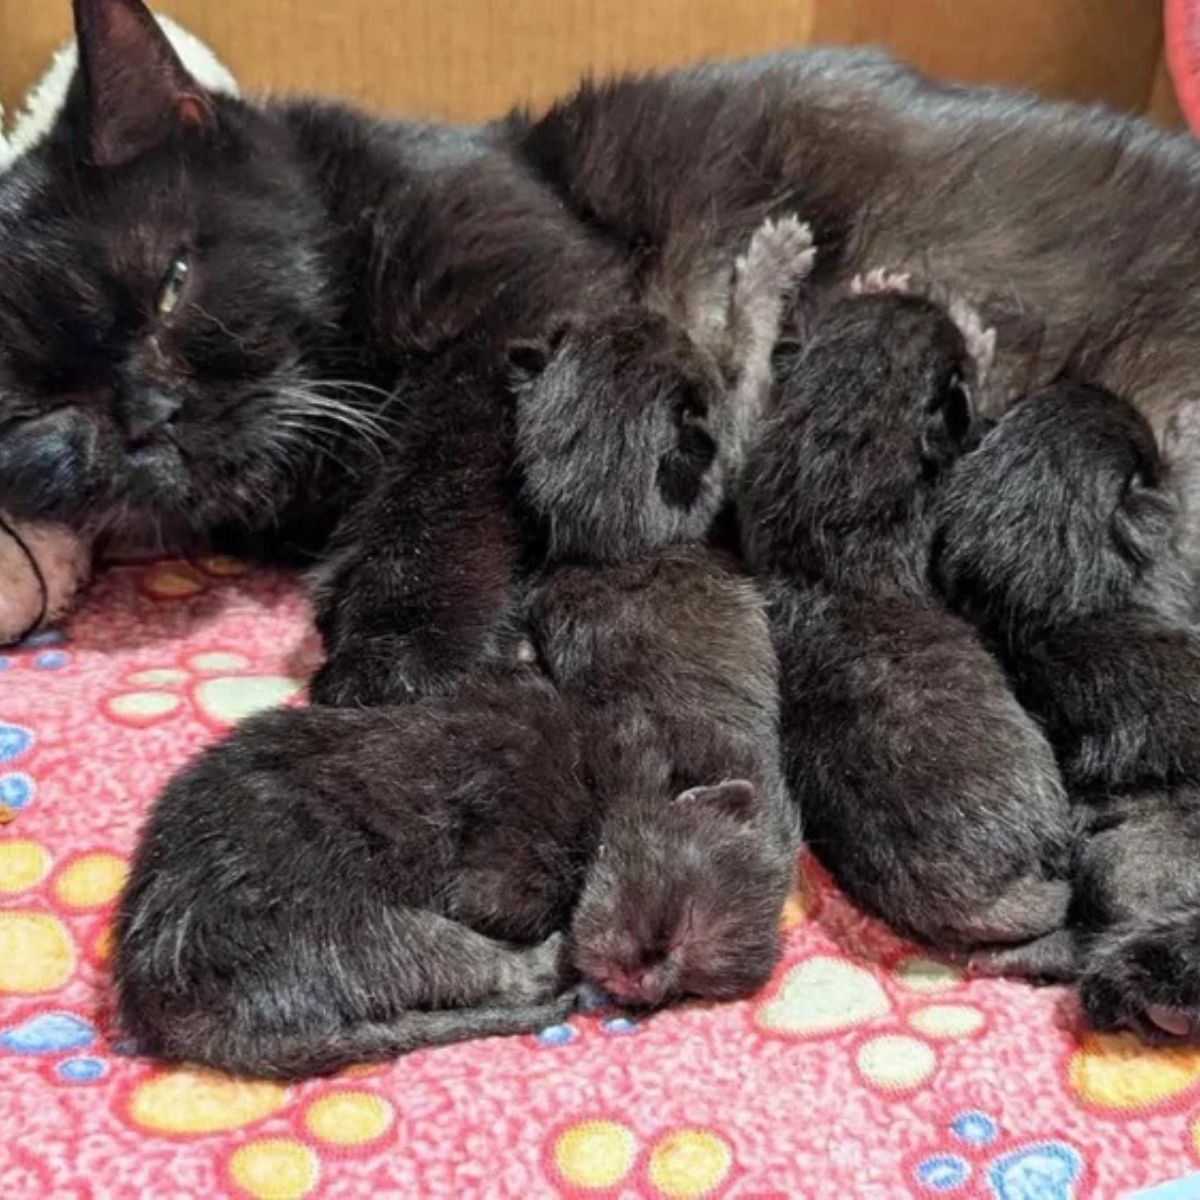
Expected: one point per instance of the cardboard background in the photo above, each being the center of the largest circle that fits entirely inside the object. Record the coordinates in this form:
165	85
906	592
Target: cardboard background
474	58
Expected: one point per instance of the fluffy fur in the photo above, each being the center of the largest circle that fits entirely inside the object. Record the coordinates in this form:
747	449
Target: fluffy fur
668	662
1058	536
925	788
325	887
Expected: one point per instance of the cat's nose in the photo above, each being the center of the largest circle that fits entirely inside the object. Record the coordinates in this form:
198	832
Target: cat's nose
642	985
142	413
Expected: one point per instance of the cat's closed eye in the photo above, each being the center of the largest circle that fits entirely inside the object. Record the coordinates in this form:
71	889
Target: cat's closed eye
173	286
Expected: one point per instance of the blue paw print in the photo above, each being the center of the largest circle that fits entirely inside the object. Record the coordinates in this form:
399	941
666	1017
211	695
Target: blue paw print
943	1172
48	1033
619	1026
1187	1188
1043	1171
557	1035
51	660
975	1128
14	741
80	1070
16	791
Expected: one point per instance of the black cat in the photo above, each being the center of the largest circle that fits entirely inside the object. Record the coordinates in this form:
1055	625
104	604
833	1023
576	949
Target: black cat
208	306
325	887
1058	536
925	788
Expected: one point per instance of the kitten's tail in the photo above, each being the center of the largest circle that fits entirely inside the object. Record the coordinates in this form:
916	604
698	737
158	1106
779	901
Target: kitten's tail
208	1039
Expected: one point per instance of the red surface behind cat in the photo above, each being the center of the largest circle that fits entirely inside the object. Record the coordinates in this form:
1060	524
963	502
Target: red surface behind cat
864	1069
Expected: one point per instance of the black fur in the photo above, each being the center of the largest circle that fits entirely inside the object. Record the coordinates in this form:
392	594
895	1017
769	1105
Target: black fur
925	788
669	664
333	259
329	886
1059	537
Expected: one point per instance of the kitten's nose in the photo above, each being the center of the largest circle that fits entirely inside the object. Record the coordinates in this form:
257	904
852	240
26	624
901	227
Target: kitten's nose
642	985
142	413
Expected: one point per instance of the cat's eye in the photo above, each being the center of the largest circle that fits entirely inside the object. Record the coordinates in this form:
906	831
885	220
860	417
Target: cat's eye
174	283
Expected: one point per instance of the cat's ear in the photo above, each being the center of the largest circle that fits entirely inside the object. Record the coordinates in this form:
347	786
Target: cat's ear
136	91
735	797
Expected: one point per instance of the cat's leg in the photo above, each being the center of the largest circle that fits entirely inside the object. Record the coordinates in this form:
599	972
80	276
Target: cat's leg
1050	959
417	589
1144	976
780	255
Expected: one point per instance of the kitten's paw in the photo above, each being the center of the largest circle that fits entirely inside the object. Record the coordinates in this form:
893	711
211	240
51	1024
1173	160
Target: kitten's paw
547	970
980	340
1144	977
880	282
781	253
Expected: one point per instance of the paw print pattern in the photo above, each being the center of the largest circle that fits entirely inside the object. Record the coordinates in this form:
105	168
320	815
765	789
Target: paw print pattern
1040	1170
216	685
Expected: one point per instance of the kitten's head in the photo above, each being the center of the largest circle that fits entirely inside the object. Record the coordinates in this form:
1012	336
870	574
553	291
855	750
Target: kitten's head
1057	515
160	281
615	436
684	899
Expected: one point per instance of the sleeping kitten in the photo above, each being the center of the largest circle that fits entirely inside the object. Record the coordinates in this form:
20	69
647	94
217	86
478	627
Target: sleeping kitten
325	887
668	664
614	436
1058	538
927	791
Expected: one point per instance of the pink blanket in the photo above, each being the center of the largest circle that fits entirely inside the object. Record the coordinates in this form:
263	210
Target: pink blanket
865	1069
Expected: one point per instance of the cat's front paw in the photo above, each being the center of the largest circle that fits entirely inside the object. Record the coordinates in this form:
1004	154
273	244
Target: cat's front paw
1144	977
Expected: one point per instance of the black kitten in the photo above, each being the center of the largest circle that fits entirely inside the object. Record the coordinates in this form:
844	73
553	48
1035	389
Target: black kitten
925	788
667	661
326	887
630	427
1058	536
614	436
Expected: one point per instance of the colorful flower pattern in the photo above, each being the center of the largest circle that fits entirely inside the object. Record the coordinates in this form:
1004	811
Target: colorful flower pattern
865	1068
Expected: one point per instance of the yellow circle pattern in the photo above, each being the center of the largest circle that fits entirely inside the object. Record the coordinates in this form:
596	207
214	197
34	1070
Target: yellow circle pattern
1118	1071
348	1118
195	1101
275	1169
36	953
22	864
595	1154
689	1163
91	880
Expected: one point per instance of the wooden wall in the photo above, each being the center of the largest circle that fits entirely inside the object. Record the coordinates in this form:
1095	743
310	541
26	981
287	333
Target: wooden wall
472	58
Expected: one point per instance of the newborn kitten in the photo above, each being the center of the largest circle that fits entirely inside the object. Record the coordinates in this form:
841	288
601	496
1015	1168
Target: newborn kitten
1058	538
667	661
326	887
623	431
329	886
629	428
929	793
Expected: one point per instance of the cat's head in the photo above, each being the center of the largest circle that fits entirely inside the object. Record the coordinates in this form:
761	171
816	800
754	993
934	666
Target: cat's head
161	286
684	898
615	435
1057	515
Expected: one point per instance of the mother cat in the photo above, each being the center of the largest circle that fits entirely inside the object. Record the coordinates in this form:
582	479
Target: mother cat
217	317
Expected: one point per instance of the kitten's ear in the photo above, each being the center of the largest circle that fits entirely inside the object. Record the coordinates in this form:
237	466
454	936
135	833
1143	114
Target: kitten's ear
735	797
528	357
136	91
950	425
